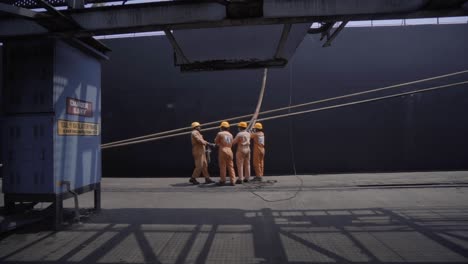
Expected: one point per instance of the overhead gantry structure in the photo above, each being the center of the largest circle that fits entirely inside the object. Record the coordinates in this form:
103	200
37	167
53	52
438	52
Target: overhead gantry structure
84	19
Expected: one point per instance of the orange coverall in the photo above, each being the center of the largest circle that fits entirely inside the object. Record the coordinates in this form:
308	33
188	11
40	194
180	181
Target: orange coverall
242	140
198	151
258	152
225	157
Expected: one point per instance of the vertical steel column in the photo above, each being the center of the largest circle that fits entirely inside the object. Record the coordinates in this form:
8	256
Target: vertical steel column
58	212
9	204
97	197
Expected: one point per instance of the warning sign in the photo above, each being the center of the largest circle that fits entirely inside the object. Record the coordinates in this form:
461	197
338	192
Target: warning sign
73	128
79	107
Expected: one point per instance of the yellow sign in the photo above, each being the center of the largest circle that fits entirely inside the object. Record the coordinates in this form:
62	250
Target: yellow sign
73	128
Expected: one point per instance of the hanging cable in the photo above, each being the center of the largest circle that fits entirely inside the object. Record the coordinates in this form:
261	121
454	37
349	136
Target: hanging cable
299	112
287	108
291	141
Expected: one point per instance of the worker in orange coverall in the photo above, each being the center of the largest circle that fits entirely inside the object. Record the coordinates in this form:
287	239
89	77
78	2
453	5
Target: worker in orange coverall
242	140
225	157
258	150
198	152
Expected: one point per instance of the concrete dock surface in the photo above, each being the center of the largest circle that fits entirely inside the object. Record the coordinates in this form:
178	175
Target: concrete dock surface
344	218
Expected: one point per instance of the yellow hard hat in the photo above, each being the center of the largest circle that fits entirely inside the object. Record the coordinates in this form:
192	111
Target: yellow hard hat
242	124
258	126
224	124
195	124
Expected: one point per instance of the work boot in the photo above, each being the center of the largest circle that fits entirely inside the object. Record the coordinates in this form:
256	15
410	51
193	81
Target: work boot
246	180
239	181
208	180
194	181
221	183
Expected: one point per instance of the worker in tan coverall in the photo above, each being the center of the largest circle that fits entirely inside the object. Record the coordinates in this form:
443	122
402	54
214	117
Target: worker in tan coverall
242	140
198	152
258	150
225	158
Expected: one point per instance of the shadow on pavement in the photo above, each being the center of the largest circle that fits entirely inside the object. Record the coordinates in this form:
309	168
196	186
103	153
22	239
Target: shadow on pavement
373	235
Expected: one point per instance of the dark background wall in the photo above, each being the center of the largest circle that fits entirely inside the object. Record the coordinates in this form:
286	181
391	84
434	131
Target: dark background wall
143	92
1	106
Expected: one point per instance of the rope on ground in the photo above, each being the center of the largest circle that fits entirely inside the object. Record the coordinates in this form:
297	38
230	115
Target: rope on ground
289	107
298	113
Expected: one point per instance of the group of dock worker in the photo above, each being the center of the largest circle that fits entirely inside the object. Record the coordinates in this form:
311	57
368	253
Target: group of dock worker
225	142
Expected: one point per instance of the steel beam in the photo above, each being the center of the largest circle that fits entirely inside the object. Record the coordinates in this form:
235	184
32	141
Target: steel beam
335	33
20	28
95	49
54	12
157	17
176	46
282	41
281	8
21	12
322	29
132	16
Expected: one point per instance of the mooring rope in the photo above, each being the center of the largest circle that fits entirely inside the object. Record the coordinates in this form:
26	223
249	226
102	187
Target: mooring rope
364	101
259	103
156	135
299	112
